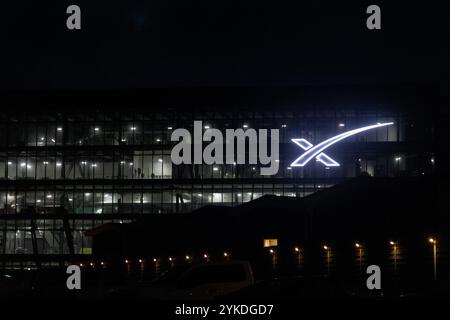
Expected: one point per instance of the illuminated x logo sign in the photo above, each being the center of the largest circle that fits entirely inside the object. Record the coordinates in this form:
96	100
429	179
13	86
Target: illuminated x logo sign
317	150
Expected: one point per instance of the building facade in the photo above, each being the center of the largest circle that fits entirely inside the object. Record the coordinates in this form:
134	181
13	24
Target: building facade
103	161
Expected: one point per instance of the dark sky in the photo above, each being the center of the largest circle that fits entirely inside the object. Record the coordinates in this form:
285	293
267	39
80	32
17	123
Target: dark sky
158	43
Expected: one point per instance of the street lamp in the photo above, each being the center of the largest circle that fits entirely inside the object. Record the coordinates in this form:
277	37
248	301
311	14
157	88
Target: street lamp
359	248
394	246
434	243
327	250
297	251
274	259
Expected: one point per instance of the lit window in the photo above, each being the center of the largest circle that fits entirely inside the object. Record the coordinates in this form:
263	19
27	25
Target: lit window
270	243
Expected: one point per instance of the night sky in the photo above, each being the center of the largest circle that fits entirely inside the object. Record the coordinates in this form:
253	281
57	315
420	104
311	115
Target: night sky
164	43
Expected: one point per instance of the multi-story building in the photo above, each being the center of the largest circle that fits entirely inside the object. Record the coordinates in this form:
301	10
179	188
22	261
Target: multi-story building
105	157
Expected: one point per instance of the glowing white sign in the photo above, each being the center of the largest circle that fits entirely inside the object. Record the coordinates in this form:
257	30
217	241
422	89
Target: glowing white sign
317	151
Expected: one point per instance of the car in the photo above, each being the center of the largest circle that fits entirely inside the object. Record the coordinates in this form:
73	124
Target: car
294	288
203	281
